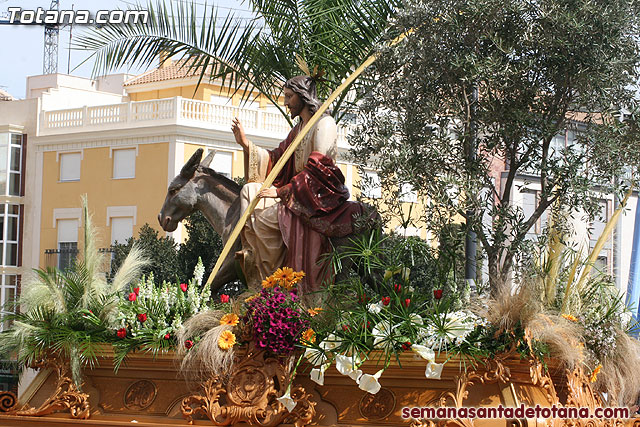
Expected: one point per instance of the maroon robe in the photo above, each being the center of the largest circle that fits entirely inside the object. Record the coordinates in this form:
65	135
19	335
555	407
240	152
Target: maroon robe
314	206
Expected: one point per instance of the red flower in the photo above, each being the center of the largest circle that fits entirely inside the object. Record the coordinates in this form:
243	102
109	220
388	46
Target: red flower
345	327
142	317
386	300
188	344
406	302
363	298
133	296
183	286
167	336
122	332
397	287
406	345
136	291
367	326
224	298
437	293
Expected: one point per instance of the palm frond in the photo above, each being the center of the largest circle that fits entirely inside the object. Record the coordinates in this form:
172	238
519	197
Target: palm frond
332	35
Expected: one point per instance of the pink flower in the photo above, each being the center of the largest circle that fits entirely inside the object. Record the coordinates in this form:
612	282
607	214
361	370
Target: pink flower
188	344
183	286
136	291
142	317
133	296
122	332
224	298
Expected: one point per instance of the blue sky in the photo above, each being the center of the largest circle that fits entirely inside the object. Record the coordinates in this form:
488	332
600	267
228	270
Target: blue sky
21	46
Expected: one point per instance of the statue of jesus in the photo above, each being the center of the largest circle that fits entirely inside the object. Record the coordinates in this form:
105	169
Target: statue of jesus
307	203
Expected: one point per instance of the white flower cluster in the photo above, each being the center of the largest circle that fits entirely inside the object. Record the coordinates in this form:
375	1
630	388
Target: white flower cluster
165	306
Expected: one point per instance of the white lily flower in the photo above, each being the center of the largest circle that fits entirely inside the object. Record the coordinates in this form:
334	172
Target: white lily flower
287	401
405	273
348	366
381	333
416	318
314	356
434	370
375	308
317	374
330	343
369	383
424	352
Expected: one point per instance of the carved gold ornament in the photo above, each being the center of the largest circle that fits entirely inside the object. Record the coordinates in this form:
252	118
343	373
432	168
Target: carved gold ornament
250	395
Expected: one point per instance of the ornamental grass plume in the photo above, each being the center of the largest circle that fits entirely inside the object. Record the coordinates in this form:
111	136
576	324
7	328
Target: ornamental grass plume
620	373
65	313
206	357
522	306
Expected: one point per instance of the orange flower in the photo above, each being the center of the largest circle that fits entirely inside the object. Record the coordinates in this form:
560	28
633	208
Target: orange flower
314	311
252	297
594	374
269	282
230	319
227	340
570	317
309	335
297	277
285	276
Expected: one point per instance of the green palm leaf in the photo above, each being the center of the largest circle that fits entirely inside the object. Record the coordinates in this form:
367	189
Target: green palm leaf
330	35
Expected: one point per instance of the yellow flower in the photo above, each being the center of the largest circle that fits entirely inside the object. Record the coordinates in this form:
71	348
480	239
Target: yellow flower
594	374
285	276
297	276
252	297
570	317
309	335
227	340
314	311
230	319
269	282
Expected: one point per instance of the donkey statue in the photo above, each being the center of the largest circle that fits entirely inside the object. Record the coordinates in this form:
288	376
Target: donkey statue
198	187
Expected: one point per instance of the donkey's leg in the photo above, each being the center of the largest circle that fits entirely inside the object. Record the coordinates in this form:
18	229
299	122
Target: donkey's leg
226	274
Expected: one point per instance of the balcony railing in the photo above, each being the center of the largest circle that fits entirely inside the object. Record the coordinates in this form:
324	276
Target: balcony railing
64	258
157	112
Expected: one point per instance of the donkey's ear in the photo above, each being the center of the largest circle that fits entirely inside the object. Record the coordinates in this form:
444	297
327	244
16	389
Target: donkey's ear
207	160
189	168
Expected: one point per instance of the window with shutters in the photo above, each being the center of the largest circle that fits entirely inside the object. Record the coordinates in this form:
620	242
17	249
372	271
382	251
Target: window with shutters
124	163
70	166
67	242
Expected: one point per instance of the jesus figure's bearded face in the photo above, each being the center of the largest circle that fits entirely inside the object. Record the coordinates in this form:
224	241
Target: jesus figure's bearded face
293	102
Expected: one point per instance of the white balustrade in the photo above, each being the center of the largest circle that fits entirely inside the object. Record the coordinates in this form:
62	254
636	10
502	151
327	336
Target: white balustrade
176	110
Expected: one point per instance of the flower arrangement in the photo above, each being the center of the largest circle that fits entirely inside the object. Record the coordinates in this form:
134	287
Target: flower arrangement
149	316
276	315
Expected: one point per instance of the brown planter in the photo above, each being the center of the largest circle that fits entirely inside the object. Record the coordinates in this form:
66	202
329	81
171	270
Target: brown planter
148	391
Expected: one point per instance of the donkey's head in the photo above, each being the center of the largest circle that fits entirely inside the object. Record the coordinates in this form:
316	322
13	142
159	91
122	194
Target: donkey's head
182	194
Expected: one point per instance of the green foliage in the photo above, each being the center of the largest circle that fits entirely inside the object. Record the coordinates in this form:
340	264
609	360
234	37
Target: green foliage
150	315
161	251
202	243
67	314
481	84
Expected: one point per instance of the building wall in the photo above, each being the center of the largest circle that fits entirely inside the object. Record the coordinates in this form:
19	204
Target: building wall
146	191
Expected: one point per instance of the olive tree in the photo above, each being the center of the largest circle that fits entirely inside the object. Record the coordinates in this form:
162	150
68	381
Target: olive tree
474	96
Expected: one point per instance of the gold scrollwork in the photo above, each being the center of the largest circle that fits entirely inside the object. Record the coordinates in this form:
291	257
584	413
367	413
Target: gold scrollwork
250	395
8	401
67	396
